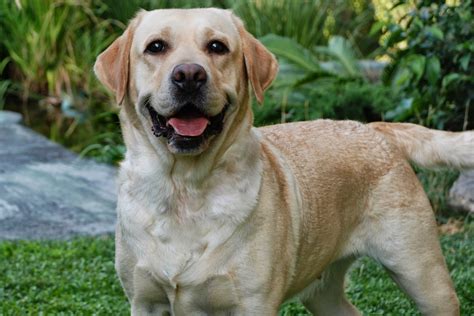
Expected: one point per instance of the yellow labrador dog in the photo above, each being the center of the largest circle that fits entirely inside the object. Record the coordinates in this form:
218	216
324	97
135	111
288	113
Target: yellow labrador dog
216	217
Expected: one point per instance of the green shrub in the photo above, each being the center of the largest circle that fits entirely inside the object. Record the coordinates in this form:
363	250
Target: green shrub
434	72
322	82
123	11
4	84
52	44
49	48
331	98
310	22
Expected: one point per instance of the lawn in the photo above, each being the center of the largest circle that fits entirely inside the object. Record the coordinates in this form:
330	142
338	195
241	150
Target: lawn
77	277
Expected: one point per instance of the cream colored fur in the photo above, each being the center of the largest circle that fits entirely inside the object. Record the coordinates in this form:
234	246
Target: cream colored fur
262	215
430	148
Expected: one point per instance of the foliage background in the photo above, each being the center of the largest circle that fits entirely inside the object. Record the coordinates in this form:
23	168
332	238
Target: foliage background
326	51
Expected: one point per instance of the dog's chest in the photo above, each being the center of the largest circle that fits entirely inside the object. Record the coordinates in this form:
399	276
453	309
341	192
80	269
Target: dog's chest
179	240
183	248
186	260
187	239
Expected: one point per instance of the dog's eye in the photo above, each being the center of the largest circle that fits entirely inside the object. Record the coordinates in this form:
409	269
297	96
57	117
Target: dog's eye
156	47
217	47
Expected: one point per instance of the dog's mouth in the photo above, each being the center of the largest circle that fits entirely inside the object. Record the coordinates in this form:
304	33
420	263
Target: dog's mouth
187	129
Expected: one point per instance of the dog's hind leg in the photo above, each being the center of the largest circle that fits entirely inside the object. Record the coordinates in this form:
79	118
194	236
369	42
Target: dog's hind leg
415	262
401	234
326	296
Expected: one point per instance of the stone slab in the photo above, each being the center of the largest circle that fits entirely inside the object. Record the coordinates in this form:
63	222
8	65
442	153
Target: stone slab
47	192
10	117
461	195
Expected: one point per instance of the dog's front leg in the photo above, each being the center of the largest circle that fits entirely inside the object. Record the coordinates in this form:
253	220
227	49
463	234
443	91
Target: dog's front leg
147	309
125	263
257	305
259	310
144	294
149	298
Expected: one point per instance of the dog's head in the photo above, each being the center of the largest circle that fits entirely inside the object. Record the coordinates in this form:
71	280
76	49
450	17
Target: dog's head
186	73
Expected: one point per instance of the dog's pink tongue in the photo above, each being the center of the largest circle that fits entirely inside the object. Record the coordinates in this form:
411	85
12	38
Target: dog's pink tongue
189	126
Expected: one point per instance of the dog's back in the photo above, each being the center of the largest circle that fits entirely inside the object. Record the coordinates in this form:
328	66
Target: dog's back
333	159
420	145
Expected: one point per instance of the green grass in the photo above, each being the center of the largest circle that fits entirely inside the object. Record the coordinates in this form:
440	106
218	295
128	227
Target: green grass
77	277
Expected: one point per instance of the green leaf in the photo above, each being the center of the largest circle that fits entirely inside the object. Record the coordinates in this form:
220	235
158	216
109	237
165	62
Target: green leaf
394	37
464	61
3	64
313	76
435	32
433	70
401	78
416	63
341	50
449	79
376	28
288	48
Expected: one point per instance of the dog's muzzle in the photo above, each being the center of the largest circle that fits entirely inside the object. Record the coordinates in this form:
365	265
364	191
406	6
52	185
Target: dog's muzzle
188	128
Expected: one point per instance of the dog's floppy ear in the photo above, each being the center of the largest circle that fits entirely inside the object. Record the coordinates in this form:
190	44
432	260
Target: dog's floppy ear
112	65
261	65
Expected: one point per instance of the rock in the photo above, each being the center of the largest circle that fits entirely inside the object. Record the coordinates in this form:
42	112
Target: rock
461	195
47	192
8	117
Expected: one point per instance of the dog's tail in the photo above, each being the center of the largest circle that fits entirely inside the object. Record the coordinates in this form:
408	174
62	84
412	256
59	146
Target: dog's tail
430	148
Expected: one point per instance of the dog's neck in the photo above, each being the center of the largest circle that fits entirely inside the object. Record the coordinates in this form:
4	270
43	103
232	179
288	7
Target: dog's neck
236	145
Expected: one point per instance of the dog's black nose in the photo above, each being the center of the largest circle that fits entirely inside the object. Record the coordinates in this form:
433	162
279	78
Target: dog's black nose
189	77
